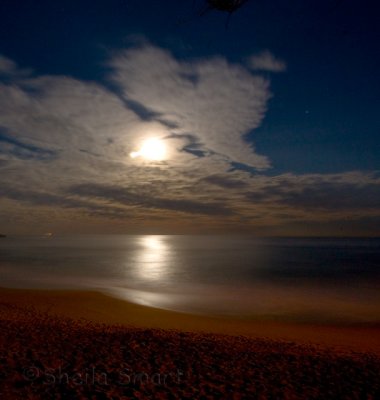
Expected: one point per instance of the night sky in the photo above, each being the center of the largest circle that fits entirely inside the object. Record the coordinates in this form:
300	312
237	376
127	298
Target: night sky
268	126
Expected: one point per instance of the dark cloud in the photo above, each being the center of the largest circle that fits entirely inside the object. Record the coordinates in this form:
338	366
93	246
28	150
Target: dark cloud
89	152
321	195
193	145
125	197
236	166
36	198
225	182
336	197
194	151
139	109
16	148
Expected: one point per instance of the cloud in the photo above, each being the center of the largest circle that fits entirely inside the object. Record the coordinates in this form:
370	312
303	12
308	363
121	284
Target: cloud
214	101
202	109
226	182
266	61
60	201
58	132
65	145
8	68
13	148
60	115
126	197
329	196
333	192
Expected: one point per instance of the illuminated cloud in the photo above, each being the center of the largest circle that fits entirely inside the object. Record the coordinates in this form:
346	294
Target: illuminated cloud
214	102
65	149
200	108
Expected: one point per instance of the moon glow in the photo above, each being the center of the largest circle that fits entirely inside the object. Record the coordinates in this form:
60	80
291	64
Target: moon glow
152	149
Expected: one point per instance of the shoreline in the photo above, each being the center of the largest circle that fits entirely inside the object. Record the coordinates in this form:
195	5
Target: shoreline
77	344
100	308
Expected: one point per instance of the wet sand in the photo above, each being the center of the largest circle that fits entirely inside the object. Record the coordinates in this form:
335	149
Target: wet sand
68	344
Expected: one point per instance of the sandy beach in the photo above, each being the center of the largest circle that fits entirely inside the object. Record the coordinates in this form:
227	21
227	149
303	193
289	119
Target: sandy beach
99	308
67	344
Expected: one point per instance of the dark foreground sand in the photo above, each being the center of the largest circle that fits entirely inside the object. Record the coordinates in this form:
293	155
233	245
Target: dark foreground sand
78	345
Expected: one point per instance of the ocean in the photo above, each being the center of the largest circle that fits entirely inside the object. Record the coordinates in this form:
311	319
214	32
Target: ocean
332	280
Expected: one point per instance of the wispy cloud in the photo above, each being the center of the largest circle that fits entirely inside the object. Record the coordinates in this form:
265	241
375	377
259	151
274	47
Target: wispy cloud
266	61
10	147
324	193
225	182
211	99
65	145
117	194
8	68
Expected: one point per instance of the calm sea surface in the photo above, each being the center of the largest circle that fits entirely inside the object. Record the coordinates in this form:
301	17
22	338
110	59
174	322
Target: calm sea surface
335	280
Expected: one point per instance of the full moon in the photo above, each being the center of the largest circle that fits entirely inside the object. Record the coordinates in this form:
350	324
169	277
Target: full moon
151	149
